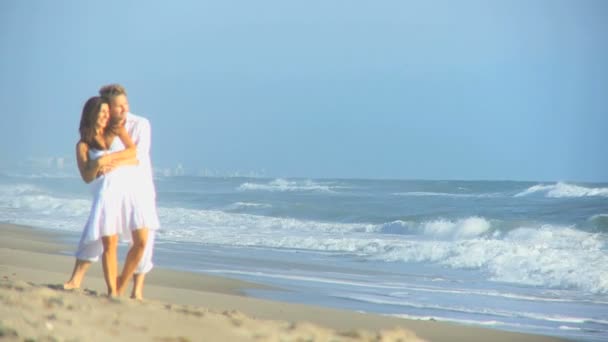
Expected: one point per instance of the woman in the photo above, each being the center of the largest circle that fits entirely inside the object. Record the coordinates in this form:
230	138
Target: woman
110	174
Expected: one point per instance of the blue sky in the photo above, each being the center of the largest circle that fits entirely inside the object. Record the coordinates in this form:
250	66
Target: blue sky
385	89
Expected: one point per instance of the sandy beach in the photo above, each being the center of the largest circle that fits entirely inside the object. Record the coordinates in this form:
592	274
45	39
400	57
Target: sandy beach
179	306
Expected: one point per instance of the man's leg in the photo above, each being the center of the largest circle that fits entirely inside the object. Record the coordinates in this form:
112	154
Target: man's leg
138	286
140	238
145	265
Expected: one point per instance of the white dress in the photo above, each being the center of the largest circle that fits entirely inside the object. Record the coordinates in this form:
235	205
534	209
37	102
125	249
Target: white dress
138	206
121	203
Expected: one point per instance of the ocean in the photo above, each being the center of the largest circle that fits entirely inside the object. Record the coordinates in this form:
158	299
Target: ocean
519	256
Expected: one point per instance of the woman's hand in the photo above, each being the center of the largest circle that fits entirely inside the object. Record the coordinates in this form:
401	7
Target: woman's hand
114	163
97	164
107	168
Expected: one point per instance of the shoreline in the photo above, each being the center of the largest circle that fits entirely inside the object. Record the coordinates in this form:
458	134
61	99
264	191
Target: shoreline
30	258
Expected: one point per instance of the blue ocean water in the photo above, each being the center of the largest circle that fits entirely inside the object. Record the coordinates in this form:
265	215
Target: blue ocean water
520	256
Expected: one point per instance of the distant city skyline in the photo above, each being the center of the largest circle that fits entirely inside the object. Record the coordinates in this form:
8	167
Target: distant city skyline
472	90
65	166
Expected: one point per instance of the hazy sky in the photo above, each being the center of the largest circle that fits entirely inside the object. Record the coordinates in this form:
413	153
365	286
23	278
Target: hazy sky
382	89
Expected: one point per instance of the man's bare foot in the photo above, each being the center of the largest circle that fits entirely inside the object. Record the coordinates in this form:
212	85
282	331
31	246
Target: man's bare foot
70	285
137	296
112	292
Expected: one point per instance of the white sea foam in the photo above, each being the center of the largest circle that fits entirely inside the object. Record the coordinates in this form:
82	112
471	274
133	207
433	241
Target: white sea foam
461	229
389	300
445	194
467	228
469	309
42	175
547	255
560	257
485	293
18	190
25	201
453	320
287	185
563	190
565	327
256	224
31	205
302	278
240	205
515	326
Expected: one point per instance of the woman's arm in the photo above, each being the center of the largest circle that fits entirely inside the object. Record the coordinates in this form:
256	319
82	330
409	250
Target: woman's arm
115	164
88	168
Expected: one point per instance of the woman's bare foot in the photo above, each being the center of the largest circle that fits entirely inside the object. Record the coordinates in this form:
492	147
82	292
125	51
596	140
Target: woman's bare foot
80	269
71	285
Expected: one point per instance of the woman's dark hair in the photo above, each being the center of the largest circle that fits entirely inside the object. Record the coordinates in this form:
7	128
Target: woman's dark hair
88	120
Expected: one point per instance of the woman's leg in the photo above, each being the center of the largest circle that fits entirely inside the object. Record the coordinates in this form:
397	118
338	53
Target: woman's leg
140	238
80	268
110	262
86	254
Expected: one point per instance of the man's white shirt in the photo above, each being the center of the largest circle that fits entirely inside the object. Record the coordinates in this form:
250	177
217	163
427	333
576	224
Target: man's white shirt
139	129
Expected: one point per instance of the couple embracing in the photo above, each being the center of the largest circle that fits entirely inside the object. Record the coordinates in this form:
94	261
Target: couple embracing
113	156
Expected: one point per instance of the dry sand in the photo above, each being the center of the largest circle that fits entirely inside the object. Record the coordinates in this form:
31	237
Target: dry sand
179	306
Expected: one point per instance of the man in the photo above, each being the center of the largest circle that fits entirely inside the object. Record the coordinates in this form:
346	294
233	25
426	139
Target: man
140	132
139	257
